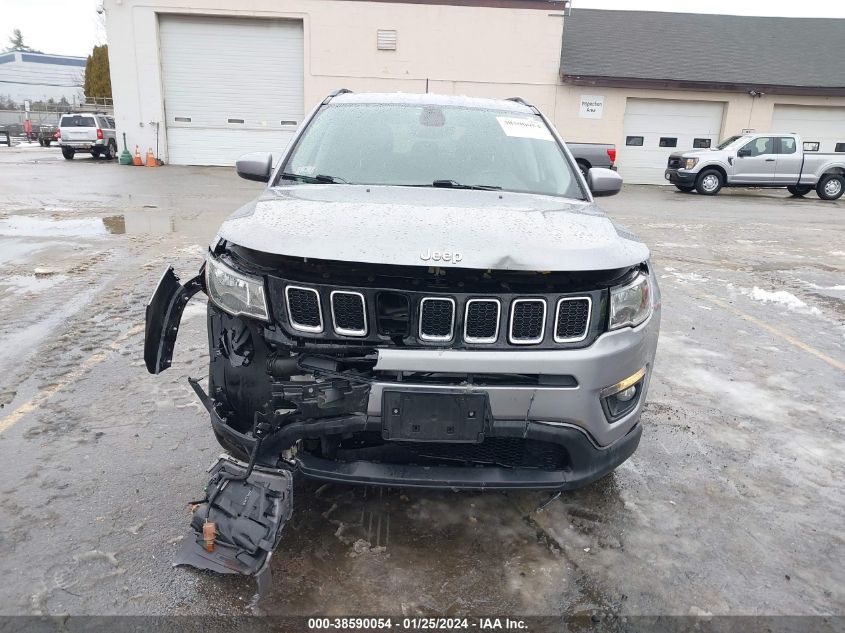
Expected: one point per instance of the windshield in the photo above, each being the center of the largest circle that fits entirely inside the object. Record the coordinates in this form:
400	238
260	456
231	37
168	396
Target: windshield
728	141
425	146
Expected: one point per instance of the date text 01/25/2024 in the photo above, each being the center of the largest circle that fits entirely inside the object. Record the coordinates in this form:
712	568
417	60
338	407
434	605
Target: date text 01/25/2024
417	624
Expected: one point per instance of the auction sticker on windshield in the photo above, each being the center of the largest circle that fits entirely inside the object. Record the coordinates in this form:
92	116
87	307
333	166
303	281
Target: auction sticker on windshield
524	128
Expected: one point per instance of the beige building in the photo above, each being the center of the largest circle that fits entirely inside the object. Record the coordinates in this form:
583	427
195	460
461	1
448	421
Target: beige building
205	81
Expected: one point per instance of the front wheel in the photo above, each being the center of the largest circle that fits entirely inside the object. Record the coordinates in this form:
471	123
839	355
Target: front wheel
68	153
830	187
685	188
709	182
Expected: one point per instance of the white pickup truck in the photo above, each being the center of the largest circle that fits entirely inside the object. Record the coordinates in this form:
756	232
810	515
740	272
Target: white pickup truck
758	160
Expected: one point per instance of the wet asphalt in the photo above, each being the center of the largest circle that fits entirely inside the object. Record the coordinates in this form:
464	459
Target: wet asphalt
733	504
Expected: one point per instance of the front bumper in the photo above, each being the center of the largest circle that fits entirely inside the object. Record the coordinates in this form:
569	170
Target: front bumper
586	463
680	177
569	418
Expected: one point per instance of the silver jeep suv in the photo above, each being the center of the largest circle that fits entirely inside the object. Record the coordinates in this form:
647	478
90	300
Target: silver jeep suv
424	295
88	132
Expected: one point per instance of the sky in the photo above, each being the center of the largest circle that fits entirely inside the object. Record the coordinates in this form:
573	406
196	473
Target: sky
72	27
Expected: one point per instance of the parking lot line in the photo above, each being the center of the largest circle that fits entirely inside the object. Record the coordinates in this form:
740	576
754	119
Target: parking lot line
776	332
72	376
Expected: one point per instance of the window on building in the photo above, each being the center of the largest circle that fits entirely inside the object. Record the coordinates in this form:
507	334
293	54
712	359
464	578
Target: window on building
811	146
634	141
787	145
761	145
668	141
840	147
701	143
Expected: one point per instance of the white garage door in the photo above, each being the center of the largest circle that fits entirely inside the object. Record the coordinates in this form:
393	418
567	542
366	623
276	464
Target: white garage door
654	128
231	86
824	125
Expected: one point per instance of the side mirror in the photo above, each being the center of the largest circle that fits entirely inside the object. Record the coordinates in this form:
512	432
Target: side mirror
743	151
603	182
256	166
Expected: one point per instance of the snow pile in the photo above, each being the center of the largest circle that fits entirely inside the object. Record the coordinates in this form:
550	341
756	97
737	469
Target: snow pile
787	299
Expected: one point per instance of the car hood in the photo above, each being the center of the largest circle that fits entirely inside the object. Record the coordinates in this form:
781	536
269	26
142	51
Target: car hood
693	153
408	225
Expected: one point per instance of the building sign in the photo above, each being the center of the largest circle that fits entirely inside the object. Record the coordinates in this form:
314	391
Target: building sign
591	106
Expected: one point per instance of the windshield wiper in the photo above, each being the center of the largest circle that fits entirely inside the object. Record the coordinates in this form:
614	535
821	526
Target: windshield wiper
319	178
452	184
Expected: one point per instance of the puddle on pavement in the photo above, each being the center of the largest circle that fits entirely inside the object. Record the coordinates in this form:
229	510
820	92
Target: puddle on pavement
30	284
14	250
132	223
34	226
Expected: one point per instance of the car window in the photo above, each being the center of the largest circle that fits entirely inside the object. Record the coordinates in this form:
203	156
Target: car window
416	145
761	145
111	122
787	145
77	121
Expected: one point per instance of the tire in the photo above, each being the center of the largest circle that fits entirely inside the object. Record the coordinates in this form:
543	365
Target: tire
831	186
709	182
68	153
799	190
111	151
41	142
47	143
685	188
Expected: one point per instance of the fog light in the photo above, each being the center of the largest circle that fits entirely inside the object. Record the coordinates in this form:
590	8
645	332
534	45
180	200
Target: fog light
626	394
620	399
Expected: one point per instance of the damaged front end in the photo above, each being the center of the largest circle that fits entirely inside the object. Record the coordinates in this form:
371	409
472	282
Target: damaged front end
262	399
403	376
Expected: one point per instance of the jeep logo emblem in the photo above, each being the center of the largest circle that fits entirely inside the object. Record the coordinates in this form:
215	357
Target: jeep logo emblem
441	256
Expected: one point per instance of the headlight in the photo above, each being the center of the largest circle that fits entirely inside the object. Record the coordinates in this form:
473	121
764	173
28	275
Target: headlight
235	292
631	304
689	163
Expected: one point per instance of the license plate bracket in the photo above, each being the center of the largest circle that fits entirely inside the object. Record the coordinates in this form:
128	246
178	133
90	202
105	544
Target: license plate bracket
434	416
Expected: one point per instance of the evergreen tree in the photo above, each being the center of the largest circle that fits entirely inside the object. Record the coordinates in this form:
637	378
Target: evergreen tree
97	77
16	43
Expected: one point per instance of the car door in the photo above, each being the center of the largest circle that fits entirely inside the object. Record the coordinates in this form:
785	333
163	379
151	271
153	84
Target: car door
755	162
789	160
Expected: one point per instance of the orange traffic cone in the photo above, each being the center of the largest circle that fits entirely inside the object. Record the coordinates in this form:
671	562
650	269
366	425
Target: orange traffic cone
137	159
151	159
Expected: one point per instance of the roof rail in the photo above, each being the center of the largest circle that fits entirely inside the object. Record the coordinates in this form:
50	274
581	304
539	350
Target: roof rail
334	93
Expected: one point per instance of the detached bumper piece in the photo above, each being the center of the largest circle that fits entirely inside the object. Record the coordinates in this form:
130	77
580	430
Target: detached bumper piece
237	527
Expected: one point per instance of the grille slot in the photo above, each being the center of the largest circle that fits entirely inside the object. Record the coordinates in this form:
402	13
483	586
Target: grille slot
674	162
304	309
496	451
572	319
481	321
349	315
528	321
437	318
